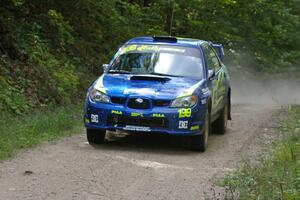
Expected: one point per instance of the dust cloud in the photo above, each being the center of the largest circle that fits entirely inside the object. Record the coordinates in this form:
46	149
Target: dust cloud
253	88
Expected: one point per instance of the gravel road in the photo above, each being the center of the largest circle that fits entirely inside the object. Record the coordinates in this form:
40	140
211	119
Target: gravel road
134	167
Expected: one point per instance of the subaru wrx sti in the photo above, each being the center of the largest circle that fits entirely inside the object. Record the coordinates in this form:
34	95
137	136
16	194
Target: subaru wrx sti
162	84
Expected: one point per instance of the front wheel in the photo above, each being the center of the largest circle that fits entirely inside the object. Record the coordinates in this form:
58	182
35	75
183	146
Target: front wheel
199	142
95	136
220	125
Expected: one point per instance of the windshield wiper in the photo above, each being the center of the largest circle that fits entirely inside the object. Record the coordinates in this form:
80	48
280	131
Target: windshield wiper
161	74
118	71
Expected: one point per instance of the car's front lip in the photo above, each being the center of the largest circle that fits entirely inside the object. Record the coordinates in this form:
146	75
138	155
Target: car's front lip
105	112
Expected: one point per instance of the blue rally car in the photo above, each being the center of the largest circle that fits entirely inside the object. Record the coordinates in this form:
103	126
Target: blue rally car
161	84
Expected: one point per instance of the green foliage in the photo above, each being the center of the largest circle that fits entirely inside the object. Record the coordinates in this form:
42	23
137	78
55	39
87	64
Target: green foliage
37	67
52	49
18	2
11	99
278	175
62	78
62	28
27	131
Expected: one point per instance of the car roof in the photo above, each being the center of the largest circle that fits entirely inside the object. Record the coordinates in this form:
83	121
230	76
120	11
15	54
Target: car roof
166	40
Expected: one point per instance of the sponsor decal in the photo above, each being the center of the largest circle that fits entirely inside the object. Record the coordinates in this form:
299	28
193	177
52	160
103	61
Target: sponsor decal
117	112
141	91
94	118
183	124
150	48
204	90
137	115
130	48
219	89
137	128
222	89
172	49
203	101
158	115
195	127
87	120
185	112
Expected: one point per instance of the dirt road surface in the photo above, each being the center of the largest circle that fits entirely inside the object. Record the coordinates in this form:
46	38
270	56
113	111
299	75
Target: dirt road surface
134	167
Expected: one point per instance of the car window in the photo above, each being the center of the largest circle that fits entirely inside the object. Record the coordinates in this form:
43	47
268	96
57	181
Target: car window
211	58
159	59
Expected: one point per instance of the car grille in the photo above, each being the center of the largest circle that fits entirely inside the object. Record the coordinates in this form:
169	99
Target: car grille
122	120
146	104
118	100
134	103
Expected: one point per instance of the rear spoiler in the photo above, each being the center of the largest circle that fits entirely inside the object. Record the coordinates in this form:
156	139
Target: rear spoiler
219	49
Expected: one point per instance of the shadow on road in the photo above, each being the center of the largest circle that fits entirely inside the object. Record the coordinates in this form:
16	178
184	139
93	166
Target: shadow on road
154	143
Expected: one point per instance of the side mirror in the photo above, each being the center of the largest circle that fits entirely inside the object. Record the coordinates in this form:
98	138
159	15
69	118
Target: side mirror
104	67
211	73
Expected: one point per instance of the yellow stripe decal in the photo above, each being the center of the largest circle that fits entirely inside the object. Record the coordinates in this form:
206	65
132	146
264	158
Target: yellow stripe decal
99	85
154	48
191	90
195	127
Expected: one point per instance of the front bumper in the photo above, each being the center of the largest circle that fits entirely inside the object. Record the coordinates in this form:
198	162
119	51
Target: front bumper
175	121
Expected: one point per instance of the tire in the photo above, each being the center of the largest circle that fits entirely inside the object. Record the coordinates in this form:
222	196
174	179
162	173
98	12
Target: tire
199	142
95	136
220	125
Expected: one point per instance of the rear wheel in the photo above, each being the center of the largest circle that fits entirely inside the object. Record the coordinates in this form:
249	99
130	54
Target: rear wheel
220	125
95	136
199	142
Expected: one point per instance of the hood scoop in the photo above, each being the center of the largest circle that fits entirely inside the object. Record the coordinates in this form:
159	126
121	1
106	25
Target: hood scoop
150	78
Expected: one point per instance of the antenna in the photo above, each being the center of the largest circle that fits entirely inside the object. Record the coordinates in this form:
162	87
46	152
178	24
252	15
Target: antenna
172	16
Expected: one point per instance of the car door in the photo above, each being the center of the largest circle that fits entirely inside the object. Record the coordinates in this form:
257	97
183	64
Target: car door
217	81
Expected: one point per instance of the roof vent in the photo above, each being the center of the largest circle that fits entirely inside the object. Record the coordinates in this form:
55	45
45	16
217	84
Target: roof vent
164	39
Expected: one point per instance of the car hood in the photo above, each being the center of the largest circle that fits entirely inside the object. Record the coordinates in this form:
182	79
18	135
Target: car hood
151	86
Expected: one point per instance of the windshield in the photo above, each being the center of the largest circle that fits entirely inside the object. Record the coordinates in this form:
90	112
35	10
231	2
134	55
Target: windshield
159	60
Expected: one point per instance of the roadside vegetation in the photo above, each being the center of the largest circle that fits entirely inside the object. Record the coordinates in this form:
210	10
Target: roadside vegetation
278	174
41	125
51	51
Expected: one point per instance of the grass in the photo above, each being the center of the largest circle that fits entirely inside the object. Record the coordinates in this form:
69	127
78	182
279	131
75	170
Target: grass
278	174
27	131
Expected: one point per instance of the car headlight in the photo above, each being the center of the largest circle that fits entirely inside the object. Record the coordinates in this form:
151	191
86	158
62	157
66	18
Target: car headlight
98	96
184	102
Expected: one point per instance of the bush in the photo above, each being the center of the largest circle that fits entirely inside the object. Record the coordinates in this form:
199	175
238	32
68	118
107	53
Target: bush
51	48
278	175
